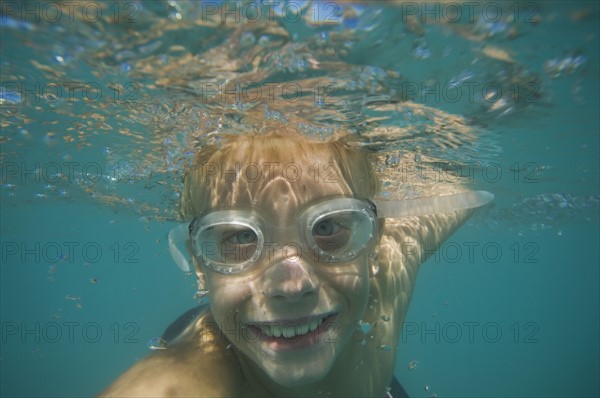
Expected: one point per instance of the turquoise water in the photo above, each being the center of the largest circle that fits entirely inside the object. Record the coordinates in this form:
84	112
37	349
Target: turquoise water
507	307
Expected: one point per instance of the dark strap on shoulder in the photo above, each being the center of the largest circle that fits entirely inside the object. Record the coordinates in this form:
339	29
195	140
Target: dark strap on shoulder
182	322
396	390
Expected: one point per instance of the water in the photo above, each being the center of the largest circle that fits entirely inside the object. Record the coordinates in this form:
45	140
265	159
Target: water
100	113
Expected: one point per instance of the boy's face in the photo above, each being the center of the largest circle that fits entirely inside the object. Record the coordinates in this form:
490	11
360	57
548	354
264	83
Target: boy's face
290	313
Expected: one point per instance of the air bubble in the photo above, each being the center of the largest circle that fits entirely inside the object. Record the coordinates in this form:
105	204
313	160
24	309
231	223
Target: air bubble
365	327
392	160
9	97
322	38
412	365
374	269
264	41
247	39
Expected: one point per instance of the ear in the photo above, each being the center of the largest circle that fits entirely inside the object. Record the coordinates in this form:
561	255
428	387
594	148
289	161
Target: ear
178	244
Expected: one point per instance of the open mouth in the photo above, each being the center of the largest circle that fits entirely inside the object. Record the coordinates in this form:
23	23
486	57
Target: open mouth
294	334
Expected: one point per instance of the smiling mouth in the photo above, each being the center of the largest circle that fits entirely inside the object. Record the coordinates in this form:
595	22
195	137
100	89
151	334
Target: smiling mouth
291	329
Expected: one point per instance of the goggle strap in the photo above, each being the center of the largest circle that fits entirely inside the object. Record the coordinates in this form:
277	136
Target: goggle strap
178	237
179	234
432	205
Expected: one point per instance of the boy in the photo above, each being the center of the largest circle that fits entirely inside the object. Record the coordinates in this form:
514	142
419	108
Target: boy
308	284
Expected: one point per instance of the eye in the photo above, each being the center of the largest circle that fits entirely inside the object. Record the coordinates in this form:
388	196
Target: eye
245	237
237	245
332	234
326	228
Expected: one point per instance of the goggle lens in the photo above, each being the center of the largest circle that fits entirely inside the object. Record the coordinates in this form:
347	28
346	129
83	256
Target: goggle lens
227	243
231	241
339	236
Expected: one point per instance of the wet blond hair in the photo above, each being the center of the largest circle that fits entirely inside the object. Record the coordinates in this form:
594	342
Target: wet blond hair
207	184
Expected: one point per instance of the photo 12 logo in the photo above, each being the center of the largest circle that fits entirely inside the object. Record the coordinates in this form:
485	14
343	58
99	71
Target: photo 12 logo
255	172
289	11
23	92
68	251
68	332
70	11
473	252
69	172
258	92
470	332
469	11
527	172
465	89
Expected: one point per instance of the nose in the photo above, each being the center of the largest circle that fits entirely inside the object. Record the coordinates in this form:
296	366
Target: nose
291	278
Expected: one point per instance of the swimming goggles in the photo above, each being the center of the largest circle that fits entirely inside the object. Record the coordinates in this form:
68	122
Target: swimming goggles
335	230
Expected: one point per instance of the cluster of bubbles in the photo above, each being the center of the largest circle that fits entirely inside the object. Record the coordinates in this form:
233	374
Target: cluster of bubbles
548	210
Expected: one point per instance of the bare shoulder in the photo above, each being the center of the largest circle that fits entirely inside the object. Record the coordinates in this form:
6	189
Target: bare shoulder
405	244
197	365
408	241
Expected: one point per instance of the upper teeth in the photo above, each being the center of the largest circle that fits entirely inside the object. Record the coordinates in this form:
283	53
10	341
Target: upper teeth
290	330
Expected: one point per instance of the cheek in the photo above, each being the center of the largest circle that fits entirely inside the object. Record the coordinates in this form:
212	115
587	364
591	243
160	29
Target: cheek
227	294
361	290
352	280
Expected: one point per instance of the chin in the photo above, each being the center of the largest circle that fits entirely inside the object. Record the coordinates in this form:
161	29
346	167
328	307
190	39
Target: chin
299	373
